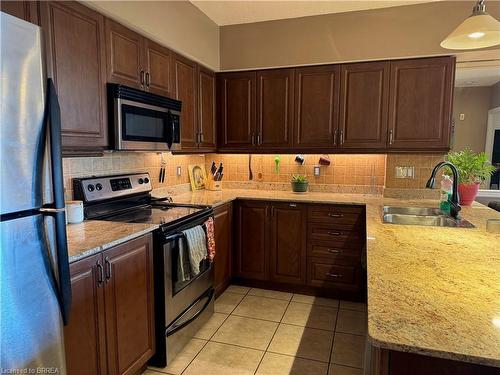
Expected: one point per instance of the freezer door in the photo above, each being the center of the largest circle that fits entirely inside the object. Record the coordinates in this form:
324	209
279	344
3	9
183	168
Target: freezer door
31	325
22	100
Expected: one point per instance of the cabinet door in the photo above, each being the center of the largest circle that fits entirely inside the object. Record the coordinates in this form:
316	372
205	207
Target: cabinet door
274	108
236	110
25	10
75	45
420	103
251	258
223	241
288	243
129	305
158	62
364	105
185	89
124	55
206	109
316	106
85	336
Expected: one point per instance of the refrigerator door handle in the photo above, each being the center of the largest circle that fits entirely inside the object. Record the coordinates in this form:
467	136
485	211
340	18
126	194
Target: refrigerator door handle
64	285
53	125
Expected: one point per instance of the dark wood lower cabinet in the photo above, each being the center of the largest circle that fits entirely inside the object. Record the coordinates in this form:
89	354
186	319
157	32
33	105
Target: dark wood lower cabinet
85	336
300	247
252	238
287	248
391	362
111	329
223	217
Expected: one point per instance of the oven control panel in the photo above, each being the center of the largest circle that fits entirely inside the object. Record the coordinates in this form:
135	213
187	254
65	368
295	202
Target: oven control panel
92	189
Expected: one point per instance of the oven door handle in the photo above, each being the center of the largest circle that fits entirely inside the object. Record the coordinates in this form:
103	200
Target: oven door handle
173	237
174	328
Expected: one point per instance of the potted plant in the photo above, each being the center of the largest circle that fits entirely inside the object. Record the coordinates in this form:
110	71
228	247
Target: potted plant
473	169
299	183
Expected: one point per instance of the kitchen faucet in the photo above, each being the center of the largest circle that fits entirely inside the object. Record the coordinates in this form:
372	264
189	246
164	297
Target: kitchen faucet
454	202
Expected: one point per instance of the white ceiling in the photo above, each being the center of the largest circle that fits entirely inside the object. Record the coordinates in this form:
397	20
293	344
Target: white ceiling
477	74
229	12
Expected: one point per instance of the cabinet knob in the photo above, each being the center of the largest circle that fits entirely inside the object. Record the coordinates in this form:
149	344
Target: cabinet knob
336	275
333	214
100	273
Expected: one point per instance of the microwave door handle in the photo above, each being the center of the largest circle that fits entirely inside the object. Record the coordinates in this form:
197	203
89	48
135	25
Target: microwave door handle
168	124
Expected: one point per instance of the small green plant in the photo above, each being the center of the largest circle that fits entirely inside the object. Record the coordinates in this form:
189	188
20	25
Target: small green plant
300	178
472	167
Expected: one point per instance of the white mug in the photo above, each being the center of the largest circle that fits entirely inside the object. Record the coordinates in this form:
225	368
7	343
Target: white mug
74	212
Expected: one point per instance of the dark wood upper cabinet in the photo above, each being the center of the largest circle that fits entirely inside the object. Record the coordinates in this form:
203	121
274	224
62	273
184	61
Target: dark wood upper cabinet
125	55
364	96
206	110
129	305
185	83
236	110
287	248
157	64
223	223
85	336
75	54
316	106
25	10
274	108
252	238
421	92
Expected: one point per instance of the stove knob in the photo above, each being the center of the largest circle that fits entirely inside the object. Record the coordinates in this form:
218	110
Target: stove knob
90	188
98	187
146	180
141	181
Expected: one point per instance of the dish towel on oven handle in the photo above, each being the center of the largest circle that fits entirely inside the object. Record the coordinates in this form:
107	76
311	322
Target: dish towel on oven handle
209	225
197	244
183	263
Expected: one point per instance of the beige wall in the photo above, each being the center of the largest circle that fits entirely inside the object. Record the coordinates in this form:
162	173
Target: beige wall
495	96
413	30
474	103
178	25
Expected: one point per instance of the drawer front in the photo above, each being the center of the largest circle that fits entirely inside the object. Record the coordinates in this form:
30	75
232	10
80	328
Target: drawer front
348	255
336	214
323	273
338	235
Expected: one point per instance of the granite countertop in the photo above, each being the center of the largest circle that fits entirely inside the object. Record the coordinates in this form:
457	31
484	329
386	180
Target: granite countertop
92	237
433	291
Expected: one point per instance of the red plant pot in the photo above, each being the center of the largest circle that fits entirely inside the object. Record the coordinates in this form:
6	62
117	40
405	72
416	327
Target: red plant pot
467	193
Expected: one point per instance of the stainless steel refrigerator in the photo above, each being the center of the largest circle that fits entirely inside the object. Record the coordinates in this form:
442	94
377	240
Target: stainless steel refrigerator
35	290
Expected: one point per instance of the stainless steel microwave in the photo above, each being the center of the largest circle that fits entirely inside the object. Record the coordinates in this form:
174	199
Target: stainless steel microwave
142	121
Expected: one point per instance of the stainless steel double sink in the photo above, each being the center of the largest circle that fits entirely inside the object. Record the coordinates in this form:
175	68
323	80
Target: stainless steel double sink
421	216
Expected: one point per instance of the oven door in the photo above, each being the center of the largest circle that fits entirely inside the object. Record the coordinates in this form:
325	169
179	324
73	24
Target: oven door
180	294
140	126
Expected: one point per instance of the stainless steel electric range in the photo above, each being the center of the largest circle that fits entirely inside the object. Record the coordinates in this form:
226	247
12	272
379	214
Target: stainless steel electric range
181	307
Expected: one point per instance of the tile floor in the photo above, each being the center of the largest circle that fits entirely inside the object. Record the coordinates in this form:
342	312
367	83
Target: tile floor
257	331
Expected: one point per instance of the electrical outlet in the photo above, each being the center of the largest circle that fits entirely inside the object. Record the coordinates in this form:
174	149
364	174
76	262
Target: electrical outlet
316	170
179	170
462	116
405	172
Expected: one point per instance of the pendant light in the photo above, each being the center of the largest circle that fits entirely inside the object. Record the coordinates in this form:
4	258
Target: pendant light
479	30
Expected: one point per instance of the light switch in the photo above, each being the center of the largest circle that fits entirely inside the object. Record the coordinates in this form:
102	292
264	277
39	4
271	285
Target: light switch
316	170
405	172
462	116
179	170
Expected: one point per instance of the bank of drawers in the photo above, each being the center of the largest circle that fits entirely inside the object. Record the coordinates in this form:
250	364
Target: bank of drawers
335	239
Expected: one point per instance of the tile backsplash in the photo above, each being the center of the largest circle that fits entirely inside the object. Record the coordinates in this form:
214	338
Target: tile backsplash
126	162
368	170
356	173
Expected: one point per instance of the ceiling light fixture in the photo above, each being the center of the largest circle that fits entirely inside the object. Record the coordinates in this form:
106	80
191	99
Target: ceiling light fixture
479	30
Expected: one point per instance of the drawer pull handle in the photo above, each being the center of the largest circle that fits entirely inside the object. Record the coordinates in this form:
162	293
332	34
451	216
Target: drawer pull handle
336	275
335	233
334	251
332	214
